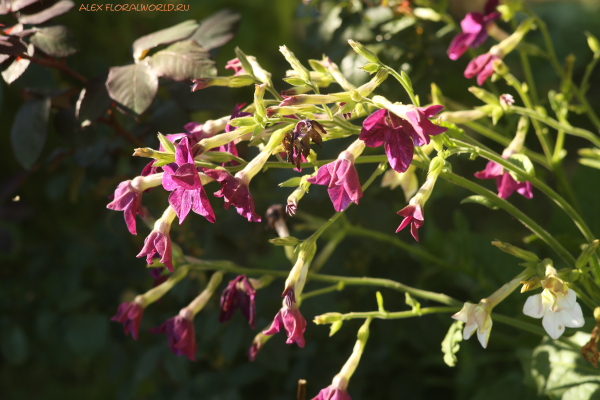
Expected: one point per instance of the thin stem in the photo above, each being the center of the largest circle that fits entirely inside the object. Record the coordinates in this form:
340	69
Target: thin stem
404	85
63	67
318	292
399	314
561	202
346	280
529	76
498	138
588	73
515	212
327	251
360	231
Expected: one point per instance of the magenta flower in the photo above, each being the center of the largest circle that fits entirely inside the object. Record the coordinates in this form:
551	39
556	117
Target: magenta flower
230	147
505	183
236	193
482	66
129	200
413	215
130	315
290	319
400	135
180	334
474	30
332	393
341	179
156	274
239	293
254	349
236	66
182	180
158	242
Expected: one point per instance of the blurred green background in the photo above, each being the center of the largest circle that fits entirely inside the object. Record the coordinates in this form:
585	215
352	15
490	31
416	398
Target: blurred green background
67	261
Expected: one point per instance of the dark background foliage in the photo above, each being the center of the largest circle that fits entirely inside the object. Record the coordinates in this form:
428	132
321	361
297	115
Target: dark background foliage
67	262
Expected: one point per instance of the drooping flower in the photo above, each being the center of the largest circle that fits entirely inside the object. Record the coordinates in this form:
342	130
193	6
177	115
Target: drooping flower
236	66
259	340
159	242
235	192
332	393
239	293
413	216
474	30
400	135
505	183
476	318
341	178
129	200
180	334
482	66
290	319
130	315
297	143
557	305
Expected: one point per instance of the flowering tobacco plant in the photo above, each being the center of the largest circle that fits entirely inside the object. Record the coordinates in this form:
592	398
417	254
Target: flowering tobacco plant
362	128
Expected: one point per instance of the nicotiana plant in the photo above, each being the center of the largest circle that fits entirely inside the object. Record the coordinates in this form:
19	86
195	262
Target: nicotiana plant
418	134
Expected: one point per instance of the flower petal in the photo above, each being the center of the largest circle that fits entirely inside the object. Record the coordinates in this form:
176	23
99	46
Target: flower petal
533	306
553	324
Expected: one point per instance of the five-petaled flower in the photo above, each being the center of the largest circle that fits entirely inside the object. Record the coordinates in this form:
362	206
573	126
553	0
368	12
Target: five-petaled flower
290	319
400	135
557	305
413	215
128	199
182	179
341	178
236	66
130	315
180	334
505	183
235	192
482	66
476	318
239	293
474	30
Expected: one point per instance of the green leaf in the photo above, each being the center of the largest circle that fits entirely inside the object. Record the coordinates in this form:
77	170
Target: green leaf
216	30
56	41
165	36
166	143
295	81
560	372
484	201
183	60
134	86
15	348
29	131
244	61
53	11
451	343
17	68
93	100
524	163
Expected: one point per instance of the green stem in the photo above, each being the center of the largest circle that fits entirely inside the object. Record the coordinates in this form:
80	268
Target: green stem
529	76
346	280
531	328
583	297
384	237
561	202
399	314
327	251
588	72
515	212
498	138
404	85
318	292
582	133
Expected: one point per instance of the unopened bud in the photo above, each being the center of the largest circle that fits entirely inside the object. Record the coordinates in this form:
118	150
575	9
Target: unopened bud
531	284
587	252
363	51
285	241
328	318
515	251
484	95
371	68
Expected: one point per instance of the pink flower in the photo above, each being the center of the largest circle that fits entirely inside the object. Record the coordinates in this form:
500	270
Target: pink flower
400	135
290	319
332	393
158	242
413	215
235	192
130	315
129	200
505	183
341	179
482	66
182	180
239	293
180	334
474	30
254	349
236	66
230	147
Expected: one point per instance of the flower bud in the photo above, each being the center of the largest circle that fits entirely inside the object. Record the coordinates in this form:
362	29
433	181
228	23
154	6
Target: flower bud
285	241
295	63
484	95
515	251
328	318
587	252
363	51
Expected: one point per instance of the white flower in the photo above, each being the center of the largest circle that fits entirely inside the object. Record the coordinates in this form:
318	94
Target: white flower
475	317
407	180
559	310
